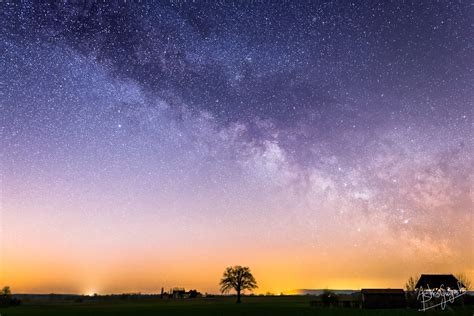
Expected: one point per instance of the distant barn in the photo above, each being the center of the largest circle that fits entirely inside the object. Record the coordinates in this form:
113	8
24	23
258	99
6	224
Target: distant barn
436	281
383	298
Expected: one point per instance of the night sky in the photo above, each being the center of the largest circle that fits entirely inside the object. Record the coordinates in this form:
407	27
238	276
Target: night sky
149	144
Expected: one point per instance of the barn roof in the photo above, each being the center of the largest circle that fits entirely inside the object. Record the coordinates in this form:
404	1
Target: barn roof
434	281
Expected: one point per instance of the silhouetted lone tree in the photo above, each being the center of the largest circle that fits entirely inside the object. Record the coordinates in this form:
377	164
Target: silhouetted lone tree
237	278
7	299
6	292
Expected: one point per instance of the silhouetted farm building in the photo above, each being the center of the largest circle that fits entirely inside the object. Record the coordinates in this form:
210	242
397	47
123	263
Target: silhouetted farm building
437	281
181	293
383	298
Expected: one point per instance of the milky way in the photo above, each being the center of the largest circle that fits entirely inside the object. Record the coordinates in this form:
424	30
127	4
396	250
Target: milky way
322	144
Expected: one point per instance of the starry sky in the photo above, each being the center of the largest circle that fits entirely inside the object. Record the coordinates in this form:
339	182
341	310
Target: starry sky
325	144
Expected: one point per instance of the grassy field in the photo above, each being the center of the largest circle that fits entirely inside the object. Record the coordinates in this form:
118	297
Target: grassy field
272	306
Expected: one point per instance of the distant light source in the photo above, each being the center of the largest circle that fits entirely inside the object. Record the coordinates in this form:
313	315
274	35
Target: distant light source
90	292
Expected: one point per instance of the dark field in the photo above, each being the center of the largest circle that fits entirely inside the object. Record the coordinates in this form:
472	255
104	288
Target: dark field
273	306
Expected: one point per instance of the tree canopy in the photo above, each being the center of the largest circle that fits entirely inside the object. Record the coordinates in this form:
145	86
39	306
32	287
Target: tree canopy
237	278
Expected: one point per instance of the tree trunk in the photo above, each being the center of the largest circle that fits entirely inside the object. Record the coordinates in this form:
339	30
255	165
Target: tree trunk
238	296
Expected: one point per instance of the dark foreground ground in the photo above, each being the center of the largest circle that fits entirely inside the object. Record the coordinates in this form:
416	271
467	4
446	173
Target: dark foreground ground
272	306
